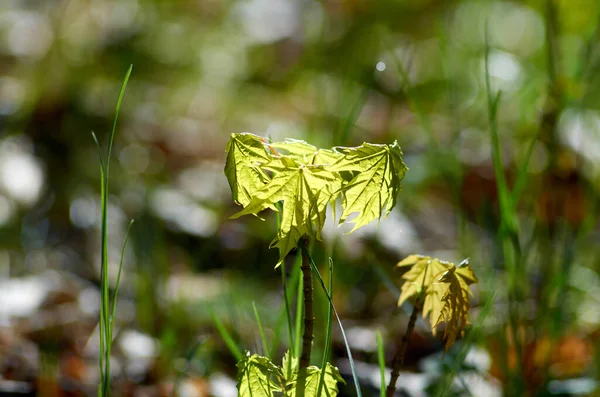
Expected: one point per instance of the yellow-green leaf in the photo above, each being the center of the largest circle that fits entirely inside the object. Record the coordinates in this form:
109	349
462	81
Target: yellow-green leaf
455	301
258	377
444	290
373	189
419	277
245	153
330	381
305	191
300	151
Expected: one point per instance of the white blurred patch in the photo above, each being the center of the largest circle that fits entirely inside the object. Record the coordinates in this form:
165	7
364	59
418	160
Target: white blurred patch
362	338
137	346
22	297
580	130
513	27
266	21
505	71
222	386
176	207
504	66
29	33
205	182
84	212
21	175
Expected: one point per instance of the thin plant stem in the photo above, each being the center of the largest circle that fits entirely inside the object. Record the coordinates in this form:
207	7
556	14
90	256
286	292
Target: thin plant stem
399	357
381	360
327	351
339	321
309	319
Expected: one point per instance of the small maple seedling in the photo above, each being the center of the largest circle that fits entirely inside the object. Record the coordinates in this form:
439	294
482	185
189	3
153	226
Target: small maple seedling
306	179
441	290
299	181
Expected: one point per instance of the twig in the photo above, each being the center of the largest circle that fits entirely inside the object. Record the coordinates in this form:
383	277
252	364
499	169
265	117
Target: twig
399	357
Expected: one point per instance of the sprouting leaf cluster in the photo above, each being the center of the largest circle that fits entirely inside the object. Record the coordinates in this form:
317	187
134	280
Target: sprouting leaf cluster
305	179
442	288
260	377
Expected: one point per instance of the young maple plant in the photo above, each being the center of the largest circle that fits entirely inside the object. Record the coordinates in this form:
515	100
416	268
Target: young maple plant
299	181
441	290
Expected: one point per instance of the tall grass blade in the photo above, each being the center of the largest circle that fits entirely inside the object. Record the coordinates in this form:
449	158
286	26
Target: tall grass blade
106	315
327	351
229	342
261	330
381	361
299	322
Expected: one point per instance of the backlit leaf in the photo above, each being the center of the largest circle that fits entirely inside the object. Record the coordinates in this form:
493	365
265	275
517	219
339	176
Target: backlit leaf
455	300
444	290
305	180
245	154
300	151
373	190
257	377
305	191
330	381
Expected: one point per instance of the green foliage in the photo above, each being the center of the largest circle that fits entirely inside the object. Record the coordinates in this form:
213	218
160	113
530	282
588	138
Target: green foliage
107	310
305	179
258	376
444	289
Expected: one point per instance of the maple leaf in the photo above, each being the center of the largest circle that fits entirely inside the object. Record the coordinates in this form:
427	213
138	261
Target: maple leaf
256	377
443	289
311	382
298	150
304	190
245	153
455	309
306	179
373	190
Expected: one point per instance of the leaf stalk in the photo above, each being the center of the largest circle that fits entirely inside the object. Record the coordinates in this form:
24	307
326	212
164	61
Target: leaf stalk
400	353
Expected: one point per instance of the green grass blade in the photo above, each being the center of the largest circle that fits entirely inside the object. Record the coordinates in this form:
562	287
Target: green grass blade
285	313
261	330
381	360
350	359
106	316
102	325
327	351
352	116
117	110
116	294
229	342
299	315
523	175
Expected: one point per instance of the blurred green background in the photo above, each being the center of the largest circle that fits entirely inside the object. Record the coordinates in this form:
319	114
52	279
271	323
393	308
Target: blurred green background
337	72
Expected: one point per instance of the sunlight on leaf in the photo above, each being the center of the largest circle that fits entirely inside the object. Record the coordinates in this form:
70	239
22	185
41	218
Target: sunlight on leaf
332	377
444	290
373	190
305	180
245	153
259	377
256	376
305	191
